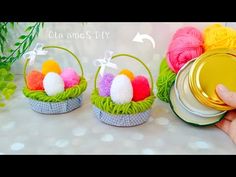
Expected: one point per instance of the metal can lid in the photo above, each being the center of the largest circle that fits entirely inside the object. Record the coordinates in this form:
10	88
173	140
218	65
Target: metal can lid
186	97
211	68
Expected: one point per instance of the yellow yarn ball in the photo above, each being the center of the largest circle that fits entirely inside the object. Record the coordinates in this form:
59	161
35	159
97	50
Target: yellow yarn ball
51	66
128	73
219	36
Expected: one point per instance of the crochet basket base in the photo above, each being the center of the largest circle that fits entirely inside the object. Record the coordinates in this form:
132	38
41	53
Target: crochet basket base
55	107
122	120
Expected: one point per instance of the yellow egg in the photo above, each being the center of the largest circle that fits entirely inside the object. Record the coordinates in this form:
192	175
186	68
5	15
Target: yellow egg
51	66
128	73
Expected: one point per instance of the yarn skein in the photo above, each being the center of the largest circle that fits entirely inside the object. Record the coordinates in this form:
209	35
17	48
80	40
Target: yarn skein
219	36
187	43
188	30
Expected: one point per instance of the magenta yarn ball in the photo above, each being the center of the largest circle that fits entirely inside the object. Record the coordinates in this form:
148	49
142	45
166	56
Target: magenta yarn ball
70	77
187	44
105	84
188	30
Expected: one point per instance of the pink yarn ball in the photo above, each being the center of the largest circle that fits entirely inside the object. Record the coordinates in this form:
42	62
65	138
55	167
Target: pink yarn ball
184	48
188	30
70	77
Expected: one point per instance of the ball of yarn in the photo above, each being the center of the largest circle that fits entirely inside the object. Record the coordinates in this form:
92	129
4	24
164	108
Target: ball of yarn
188	30
128	73
105	84
121	89
182	49
53	84
141	88
70	77
35	80
51	66
219	36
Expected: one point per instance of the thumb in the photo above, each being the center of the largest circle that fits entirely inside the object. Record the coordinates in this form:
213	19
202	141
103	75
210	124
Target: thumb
227	96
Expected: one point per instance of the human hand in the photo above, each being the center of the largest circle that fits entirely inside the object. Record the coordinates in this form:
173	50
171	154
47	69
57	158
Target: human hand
228	124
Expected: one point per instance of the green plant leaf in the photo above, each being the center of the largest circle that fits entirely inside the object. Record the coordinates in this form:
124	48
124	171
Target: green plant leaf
2	37
10	92
7	96
20	46
4	90
18	54
10	50
2	104
2	58
12	24
9	77
22	37
11	85
6	66
28	28
17	43
5	29
1	48
7	93
25	46
3	72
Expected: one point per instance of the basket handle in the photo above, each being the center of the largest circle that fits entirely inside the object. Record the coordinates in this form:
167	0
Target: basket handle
126	55
58	47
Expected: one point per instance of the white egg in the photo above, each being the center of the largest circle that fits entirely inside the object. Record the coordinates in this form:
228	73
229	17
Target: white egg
53	84
121	89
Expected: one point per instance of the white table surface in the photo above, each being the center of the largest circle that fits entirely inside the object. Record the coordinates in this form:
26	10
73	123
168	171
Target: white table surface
23	131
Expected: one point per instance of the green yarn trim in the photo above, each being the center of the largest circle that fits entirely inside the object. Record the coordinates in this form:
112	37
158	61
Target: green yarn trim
164	82
69	93
107	105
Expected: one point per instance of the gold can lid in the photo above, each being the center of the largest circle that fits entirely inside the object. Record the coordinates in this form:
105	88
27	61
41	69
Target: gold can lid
213	67
186	97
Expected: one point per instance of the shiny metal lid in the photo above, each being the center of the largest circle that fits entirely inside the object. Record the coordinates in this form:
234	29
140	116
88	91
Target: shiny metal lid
186	97
212	68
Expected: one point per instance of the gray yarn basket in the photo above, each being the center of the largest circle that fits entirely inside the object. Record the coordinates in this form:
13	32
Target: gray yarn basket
122	120
55	107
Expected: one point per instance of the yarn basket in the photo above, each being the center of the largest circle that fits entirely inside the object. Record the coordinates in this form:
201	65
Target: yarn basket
64	102
122	115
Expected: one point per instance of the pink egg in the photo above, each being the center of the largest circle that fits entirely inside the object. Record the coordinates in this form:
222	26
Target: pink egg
70	77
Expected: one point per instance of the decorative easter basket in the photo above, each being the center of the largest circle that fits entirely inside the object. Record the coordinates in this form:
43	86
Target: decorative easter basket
122	115
64	102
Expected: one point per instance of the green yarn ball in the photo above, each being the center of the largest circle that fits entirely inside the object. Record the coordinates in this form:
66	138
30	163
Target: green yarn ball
164	81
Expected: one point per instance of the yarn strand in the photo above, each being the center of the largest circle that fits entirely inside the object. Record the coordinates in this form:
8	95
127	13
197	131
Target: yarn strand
107	105
67	94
